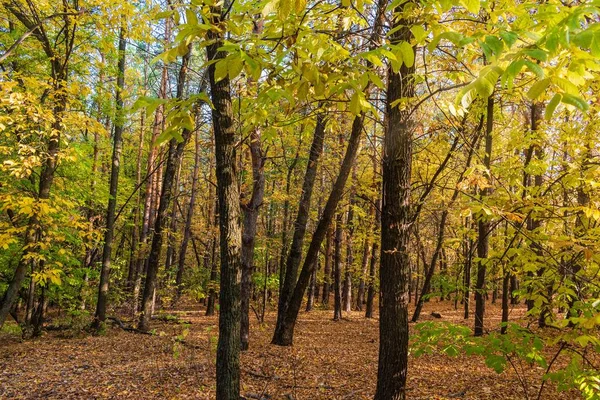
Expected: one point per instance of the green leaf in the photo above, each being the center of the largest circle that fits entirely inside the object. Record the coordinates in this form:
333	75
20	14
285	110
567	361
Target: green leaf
538	54
418	32
535	68
552	106
495	44
471	5
538	88
408	54
220	70
191	17
575	101
355	104
234	66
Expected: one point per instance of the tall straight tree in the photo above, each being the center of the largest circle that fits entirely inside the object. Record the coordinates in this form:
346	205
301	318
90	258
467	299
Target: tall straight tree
228	346
483	225
396	221
100	315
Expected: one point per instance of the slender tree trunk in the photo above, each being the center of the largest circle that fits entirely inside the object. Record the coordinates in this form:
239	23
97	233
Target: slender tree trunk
327	268
187	232
100	315
295	253
311	291
484	228
337	265
364	265
347	289
284	330
174	155
249	232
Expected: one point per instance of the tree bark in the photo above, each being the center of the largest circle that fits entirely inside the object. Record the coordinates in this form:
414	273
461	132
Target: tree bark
284	330
100	315
174	155
228	346
295	252
249	232
484	227
337	265
327	268
188	220
395	227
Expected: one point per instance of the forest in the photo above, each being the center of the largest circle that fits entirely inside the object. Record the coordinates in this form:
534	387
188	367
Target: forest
300	199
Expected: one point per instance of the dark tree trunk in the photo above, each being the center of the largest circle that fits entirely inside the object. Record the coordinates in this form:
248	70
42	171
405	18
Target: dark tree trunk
249	232
347	289
187	231
284	330
337	265
505	297
395	227
484	228
174	156
311	291
327	268
372	277
295	253
360	296
100	315
468	258
228	346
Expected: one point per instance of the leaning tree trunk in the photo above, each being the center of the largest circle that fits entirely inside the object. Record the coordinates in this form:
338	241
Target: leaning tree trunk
100	315
174	156
295	252
187	231
395	227
228	346
284	330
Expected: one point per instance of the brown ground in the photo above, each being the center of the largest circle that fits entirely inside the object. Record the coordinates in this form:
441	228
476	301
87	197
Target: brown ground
329	360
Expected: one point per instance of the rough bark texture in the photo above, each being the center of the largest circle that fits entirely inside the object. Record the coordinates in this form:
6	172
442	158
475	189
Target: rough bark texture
249	232
483	228
228	346
295	252
337	267
284	331
395	229
100	315
187	231
174	156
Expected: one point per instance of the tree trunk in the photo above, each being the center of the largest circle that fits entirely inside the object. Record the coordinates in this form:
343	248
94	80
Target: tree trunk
228	346
295	252
327	268
337	265
395	227
347	289
484	227
284	330
188	220
249	232
100	315
174	156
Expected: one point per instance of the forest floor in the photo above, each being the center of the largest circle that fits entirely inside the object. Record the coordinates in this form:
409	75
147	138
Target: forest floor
329	360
